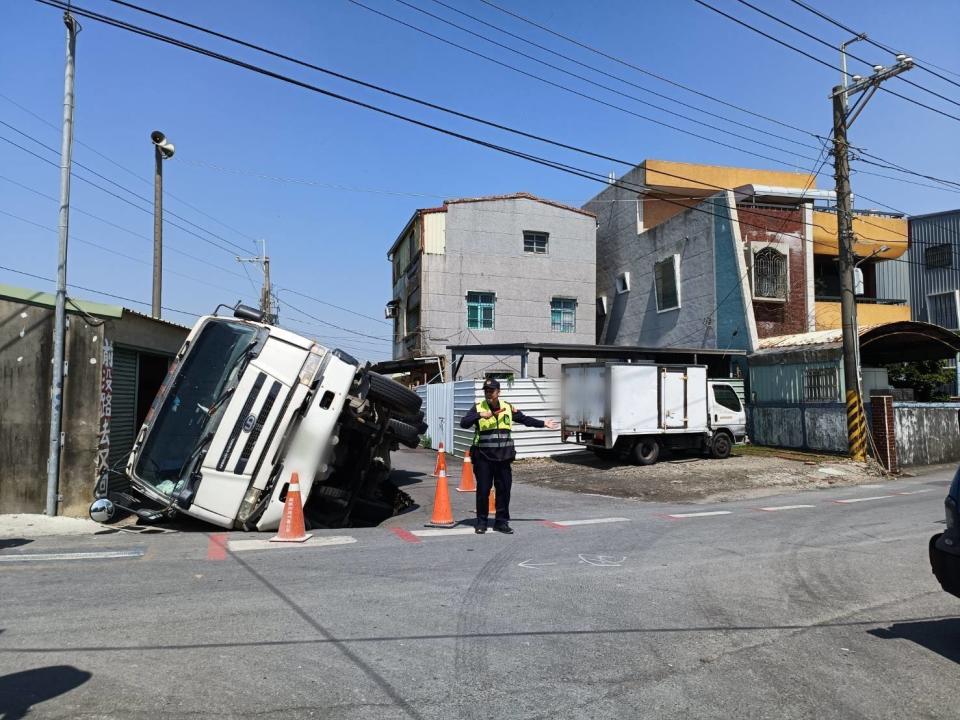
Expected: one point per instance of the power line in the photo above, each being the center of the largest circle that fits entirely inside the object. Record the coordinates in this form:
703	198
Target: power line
338	327
785	44
330	304
644	71
921	64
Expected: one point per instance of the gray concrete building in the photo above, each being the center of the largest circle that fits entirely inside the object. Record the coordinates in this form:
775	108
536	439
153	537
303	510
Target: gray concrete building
499	269
115	360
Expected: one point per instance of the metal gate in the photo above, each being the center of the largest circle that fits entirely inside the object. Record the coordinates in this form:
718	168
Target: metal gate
124	408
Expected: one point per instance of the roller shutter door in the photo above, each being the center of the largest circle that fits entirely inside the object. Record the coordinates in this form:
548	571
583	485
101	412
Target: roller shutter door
124	408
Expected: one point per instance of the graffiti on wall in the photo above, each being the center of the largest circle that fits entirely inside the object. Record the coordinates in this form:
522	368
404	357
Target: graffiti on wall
106	412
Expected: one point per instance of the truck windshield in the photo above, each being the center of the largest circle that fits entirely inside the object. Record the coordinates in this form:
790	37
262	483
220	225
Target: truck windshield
182	421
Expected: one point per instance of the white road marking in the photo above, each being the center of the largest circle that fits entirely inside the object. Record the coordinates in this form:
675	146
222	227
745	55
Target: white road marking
102	555
777	508
865	499
699	514
594	521
242	545
530	564
437	532
915	492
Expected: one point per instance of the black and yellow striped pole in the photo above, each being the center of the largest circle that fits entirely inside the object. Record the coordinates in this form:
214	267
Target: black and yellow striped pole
856	426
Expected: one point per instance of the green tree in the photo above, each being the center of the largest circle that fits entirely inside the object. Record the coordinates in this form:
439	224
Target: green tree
926	377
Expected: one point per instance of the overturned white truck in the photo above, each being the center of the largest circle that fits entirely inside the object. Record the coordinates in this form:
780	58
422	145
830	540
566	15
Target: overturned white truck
246	404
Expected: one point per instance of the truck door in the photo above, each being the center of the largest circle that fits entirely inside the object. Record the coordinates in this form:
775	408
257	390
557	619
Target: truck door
725	407
673	398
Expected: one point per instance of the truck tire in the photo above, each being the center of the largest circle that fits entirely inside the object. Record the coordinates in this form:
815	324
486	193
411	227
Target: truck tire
721	446
646	451
393	394
407	434
414	421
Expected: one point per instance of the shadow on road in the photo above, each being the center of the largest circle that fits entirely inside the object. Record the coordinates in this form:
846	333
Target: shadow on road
7	543
21	691
940	636
400	478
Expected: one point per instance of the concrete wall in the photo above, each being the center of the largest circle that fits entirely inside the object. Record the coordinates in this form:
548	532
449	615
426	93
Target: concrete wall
484	253
927	433
26	349
821	426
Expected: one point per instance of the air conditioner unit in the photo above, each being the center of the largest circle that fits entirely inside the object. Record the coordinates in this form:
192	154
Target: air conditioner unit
392	310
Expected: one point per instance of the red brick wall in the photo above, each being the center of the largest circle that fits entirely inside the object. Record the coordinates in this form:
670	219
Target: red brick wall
882	426
765	225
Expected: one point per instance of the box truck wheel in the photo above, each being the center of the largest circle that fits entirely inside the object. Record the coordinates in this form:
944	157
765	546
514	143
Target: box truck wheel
646	451
721	446
393	394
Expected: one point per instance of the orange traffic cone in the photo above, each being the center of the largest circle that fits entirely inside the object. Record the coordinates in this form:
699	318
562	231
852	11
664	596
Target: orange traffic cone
492	507
441	460
467	482
442	513
292	528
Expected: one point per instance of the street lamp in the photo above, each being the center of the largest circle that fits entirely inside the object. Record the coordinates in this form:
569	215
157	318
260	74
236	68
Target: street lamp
162	150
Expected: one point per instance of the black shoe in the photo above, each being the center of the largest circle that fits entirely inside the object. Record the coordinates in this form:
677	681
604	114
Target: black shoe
502	527
481	528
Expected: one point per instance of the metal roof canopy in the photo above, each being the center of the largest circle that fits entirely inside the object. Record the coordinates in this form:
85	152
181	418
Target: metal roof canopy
895	342
574	350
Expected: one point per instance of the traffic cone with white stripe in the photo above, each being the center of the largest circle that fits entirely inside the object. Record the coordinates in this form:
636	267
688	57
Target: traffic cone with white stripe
492	507
467	482
442	512
441	460
292	528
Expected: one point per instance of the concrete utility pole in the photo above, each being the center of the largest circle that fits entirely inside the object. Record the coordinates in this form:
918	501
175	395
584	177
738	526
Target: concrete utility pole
60	311
266	291
842	119
162	150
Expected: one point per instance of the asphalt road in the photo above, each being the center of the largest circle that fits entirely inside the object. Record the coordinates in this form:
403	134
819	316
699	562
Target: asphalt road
827	610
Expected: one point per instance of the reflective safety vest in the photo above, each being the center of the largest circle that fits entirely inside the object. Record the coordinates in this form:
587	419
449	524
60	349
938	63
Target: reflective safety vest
494	432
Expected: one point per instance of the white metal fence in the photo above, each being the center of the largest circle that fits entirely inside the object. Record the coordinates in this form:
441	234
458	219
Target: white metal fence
447	403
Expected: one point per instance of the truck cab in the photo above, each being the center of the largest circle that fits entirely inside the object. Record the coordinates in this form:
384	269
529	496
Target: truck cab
244	406
725	411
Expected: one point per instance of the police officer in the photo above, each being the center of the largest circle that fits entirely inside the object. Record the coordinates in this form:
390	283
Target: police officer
493	451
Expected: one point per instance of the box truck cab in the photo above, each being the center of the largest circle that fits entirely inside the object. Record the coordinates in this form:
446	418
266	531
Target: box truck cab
244	406
635	410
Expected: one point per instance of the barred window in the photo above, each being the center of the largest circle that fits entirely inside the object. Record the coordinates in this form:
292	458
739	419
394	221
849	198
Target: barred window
563	315
821	385
770	274
535	242
938	256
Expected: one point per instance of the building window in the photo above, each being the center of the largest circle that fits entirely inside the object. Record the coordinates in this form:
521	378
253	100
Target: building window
942	310
938	256
821	385
535	242
623	283
563	315
770	274
480	310
666	278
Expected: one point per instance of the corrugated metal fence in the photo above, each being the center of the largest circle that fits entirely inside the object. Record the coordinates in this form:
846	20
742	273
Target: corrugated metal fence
538	397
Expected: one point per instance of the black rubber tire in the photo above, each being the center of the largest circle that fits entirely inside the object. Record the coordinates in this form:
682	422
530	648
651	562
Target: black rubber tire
406	434
646	451
414	419
721	446
393	394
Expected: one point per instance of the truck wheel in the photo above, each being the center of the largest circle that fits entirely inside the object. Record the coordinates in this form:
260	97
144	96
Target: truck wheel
721	446
646	451
393	394
406	434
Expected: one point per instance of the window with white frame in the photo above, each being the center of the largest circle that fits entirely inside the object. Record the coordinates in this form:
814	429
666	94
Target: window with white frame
821	385
480	310
942	309
623	283
770	273
535	242
667	280
563	315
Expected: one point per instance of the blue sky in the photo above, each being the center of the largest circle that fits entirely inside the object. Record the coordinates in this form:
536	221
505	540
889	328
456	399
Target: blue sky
329	186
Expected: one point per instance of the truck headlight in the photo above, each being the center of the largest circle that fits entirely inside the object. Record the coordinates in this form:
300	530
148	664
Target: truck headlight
309	370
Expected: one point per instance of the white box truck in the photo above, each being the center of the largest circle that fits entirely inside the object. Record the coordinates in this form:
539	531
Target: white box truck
634	410
245	405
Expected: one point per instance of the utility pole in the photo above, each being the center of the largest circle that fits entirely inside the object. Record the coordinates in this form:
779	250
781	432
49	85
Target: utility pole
266	290
843	117
162	150
60	311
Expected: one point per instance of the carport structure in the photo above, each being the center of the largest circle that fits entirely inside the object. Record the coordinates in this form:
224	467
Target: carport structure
719	362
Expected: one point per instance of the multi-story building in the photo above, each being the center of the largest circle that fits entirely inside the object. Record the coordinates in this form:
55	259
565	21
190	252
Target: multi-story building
934	268
721	257
499	269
